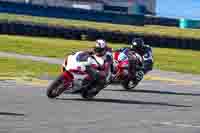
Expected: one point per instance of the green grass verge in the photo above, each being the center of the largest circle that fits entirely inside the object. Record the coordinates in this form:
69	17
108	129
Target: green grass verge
43	46
186	61
147	29
10	67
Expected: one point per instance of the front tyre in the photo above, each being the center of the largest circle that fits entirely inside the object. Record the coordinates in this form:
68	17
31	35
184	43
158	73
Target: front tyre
56	88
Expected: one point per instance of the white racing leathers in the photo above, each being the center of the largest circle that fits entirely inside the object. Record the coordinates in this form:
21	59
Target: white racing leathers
93	65
103	64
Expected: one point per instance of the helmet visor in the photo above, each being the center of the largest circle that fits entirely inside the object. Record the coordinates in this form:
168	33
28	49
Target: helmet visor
99	50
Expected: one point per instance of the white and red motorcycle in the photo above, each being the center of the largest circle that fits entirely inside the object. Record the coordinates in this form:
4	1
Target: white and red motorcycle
74	79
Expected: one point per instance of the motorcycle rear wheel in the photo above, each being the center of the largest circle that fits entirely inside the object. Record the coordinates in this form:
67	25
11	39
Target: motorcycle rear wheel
129	84
88	93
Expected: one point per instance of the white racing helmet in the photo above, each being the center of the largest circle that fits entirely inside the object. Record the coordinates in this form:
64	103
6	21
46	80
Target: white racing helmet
100	47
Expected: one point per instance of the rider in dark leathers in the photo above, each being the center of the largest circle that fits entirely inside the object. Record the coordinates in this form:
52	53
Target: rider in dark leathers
145	51
144	62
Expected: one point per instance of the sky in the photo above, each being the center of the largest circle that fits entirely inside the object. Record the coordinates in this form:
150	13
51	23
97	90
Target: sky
189	9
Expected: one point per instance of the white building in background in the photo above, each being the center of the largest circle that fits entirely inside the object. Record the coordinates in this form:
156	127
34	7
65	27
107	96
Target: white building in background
117	6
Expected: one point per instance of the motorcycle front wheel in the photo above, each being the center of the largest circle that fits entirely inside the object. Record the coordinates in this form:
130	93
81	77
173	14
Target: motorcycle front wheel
56	88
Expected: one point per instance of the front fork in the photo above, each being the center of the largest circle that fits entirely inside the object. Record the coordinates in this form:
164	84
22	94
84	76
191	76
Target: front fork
68	77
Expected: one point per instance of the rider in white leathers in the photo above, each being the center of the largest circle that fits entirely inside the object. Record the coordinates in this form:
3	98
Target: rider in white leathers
101	61
96	63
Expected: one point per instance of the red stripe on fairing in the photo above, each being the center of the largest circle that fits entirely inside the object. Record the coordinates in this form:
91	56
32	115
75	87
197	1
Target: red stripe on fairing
77	71
121	64
81	73
67	75
116	54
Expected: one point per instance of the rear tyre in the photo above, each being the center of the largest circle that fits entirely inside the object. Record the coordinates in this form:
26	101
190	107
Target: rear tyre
56	88
129	84
88	93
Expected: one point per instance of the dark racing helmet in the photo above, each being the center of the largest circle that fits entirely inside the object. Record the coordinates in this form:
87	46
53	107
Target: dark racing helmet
137	43
138	46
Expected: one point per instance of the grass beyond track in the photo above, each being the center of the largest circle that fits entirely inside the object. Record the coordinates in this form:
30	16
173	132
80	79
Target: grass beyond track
147	29
10	67
186	61
44	46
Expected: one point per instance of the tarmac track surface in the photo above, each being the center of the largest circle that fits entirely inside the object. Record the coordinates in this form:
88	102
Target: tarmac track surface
154	107
161	105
